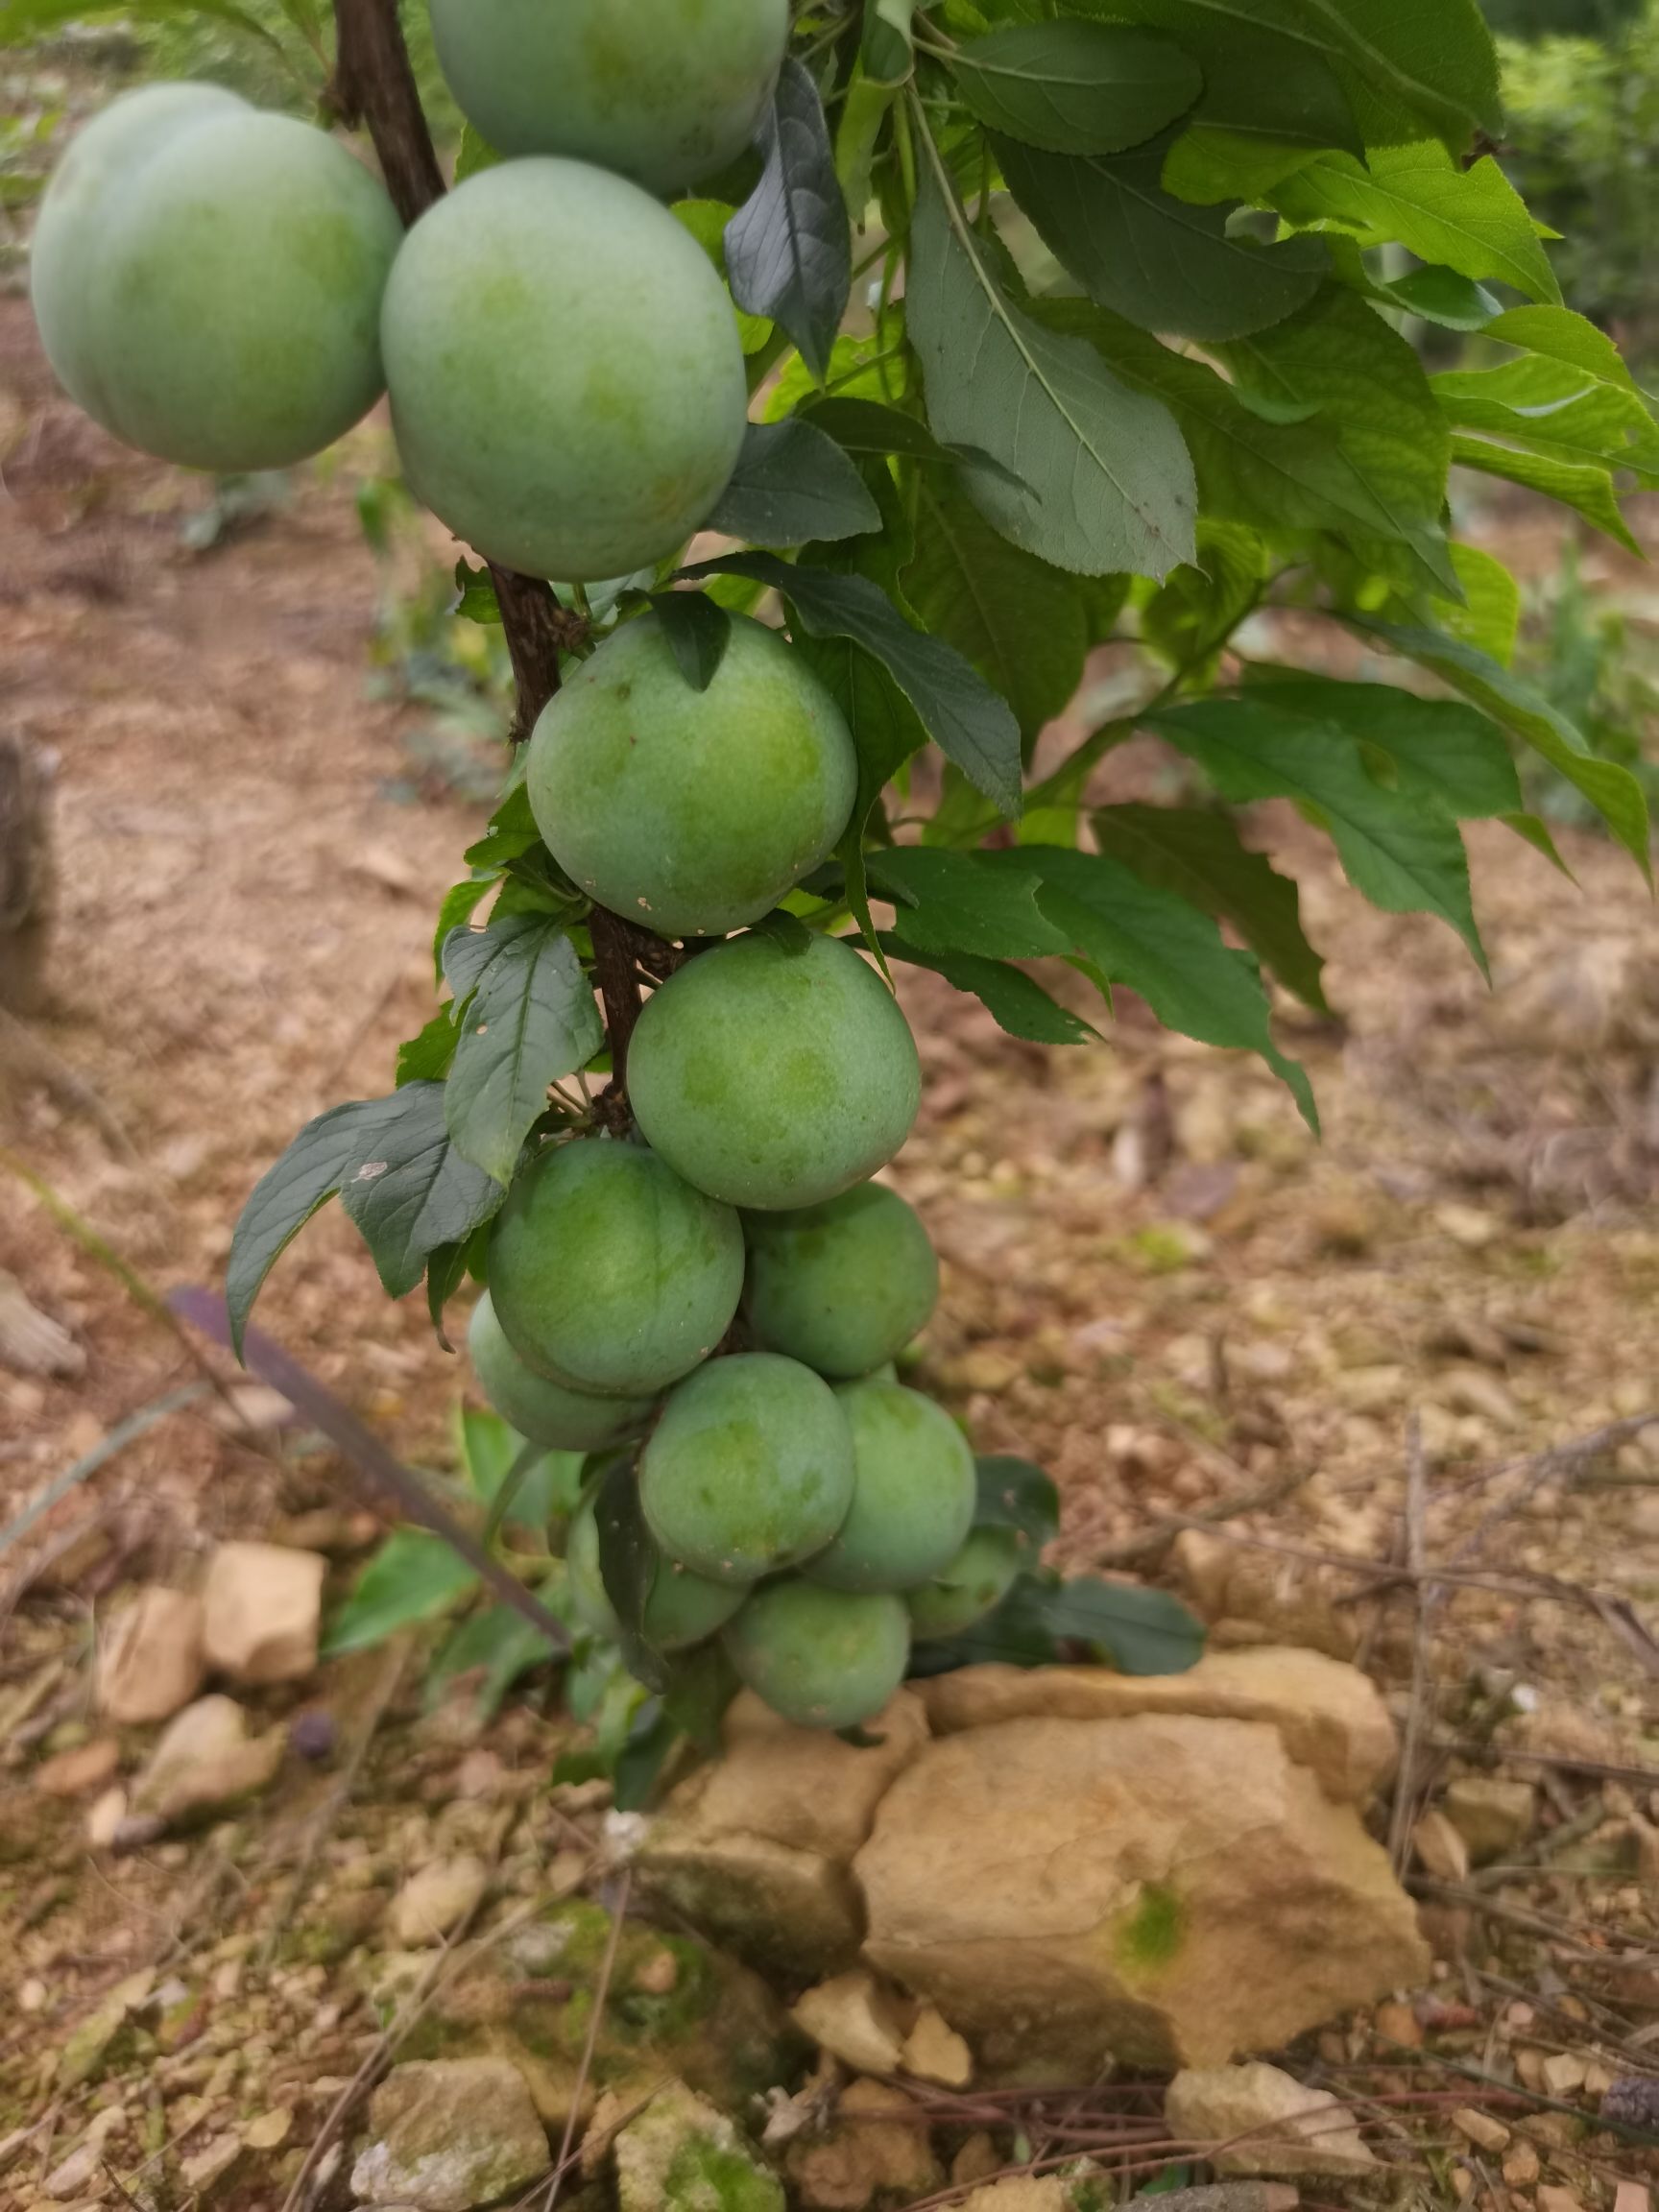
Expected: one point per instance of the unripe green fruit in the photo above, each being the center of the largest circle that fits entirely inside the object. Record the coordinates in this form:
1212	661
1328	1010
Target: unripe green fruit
668	91
545	1412
611	1275
973	1584
691	811
567	381
681	1609
750	1469
914	1491
842	1286
772	1077
208	279
822	1658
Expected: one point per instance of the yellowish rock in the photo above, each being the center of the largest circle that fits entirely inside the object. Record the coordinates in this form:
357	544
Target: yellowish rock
262	1612
852	2017
435	1902
1329	1717
934	2052
1480	2128
206	1763
877	2144
1493	1816
1441	1848
1255	2119
150	1665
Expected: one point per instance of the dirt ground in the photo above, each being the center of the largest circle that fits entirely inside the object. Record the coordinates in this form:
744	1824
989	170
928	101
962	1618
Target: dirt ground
1155	1283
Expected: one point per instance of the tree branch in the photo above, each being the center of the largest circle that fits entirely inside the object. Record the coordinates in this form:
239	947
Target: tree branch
375	85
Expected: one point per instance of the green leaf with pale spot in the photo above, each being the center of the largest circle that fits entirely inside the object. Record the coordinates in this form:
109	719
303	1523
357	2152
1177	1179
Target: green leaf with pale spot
530	1017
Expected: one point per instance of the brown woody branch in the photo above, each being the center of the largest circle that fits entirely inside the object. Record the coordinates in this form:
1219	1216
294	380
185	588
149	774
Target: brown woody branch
375	85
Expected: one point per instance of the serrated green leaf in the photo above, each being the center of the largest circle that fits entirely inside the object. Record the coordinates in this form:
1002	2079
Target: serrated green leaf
1403	852
531	1019
1200	855
409	1192
1022	623
961	903
1558	334
1490	614
1451	755
1015	1001
1075	86
410	1578
477	601
793	484
1470	220
427	1058
1100	478
1198	607
1164	265
1589	491
1554	409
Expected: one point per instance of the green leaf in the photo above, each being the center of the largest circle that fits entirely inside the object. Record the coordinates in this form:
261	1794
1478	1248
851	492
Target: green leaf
886	50
1269	104
475	154
1198	855
698	630
21	21
1340	356
306	1176
409	1190
793	484
1446	752
1074	87
531	1020
628	1565
788	249
1587	489
1013	1494
701	1684
1470	220
1146	255
1435	295
498	1643
1022	623
1519	705
1198	607
448	1267
477	601
706	221
1403	852
428	1057
1101	481
1014	999
865	426
1555	409
966	719
1560	335
1156	943
964	902
1139	1631
411	1577
1491	611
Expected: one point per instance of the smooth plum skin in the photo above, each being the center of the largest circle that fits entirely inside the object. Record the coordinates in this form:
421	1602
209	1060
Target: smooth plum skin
842	1286
692	812
681	1609
973	1584
821	1658
566	380
668	91
750	1469
611	1275
914	1492
207	281
545	1412
773	1077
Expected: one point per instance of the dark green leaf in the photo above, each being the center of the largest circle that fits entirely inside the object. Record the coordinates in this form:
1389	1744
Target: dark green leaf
965	902
788	249
409	1190
628	1562
531	1019
701	1684
1022	623
427	1058
1199	609
1152	259
1402	851
652	1741
1013	1494
1150	939
1447	753
1074	87
1270	102
886	52
698	632
411	1577
1018	1003
868	427
447	1269
1140	1631
1016	1634
1200	855
1094	477
498	1644
307	1175
966	719
792	484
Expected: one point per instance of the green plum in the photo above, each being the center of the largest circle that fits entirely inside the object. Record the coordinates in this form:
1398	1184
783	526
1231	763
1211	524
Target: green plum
750	1469
842	1286
546	1412
568	385
914	1492
774	1076
608	1273
974	1583
668	91
821	1658
681	1609
208	279
691	811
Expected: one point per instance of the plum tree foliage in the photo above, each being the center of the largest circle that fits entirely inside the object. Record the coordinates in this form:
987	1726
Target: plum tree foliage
1001	328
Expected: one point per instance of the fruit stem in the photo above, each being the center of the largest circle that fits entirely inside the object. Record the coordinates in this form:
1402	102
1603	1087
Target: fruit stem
375	85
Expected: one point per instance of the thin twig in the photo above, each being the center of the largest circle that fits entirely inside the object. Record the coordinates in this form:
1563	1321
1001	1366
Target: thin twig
601	1995
1400	1818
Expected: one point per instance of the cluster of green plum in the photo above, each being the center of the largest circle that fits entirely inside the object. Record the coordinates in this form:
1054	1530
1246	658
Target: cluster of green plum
232	290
